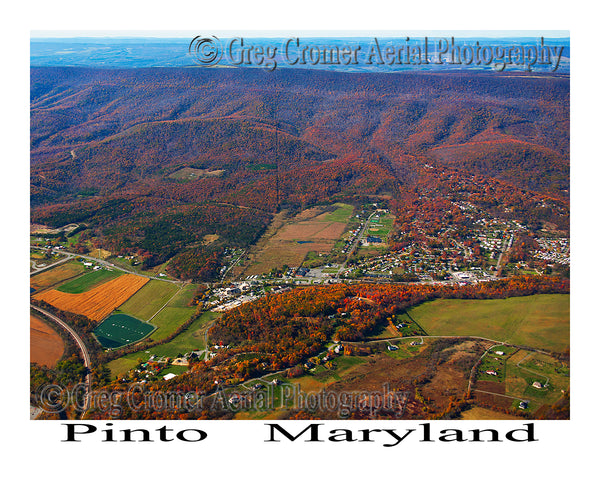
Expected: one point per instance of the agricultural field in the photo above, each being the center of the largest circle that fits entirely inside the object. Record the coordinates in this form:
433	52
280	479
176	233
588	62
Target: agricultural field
149	299
54	276
176	312
480	413
539	321
97	302
89	280
313	230
119	330
46	346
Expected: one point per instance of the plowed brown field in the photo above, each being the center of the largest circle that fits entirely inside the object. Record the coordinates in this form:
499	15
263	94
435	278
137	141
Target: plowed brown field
46	346
98	302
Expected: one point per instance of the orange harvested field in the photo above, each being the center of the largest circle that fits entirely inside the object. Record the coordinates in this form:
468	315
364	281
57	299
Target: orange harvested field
98	302
46	346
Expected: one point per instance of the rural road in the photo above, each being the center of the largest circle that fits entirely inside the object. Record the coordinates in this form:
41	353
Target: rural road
86	356
354	245
36	269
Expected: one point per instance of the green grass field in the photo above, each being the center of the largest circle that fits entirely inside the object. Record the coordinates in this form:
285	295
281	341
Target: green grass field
119	329
88	280
174	314
149	299
341	214
405	349
540	321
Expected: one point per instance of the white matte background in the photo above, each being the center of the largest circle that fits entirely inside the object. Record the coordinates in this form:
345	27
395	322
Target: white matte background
237	449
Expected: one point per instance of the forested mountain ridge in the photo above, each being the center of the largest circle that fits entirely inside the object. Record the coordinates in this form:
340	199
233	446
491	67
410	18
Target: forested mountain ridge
107	145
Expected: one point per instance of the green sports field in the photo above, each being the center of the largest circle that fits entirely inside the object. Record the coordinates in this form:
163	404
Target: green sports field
120	329
539	321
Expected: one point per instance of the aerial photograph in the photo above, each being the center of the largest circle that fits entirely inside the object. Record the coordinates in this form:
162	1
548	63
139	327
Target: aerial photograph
261	226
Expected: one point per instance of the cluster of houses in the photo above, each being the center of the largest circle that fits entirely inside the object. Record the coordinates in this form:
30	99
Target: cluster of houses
554	250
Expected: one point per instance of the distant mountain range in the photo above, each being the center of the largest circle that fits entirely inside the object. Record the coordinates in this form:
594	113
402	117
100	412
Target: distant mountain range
368	54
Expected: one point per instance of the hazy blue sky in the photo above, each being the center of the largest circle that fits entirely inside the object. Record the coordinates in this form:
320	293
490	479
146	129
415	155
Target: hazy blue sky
316	33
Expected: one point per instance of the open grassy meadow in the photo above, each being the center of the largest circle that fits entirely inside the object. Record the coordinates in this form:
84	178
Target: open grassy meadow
340	214
176	312
539	321
163	304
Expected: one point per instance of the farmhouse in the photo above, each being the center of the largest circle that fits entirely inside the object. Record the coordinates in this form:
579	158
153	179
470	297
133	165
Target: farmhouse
536	385
491	372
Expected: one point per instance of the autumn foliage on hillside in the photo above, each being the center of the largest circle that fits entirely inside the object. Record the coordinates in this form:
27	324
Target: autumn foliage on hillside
107	146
